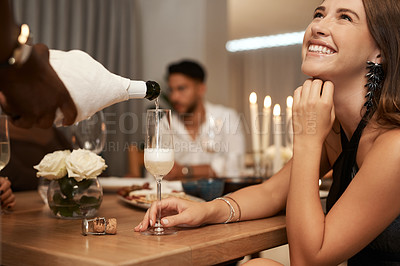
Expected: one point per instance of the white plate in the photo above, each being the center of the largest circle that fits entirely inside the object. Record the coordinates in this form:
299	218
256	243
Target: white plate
145	206
112	184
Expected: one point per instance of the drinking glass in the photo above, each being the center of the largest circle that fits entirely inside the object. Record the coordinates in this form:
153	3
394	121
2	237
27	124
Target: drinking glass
4	145
159	157
90	134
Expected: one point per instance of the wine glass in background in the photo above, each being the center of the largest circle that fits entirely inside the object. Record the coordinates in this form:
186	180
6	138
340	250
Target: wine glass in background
209	140
4	144
90	134
159	157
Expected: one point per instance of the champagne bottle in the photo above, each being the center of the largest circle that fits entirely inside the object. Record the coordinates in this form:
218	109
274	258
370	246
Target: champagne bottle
92	87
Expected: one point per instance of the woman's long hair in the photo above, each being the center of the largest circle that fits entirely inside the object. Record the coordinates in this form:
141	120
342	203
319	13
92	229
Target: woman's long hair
383	18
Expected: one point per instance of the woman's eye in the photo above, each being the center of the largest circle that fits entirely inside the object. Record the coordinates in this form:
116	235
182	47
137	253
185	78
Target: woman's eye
346	17
318	15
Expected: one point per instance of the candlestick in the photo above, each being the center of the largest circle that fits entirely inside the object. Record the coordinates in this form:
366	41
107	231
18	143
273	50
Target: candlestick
266	126
254	122
289	125
278	163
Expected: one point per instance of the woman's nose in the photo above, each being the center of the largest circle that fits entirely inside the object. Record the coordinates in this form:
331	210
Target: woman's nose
320	28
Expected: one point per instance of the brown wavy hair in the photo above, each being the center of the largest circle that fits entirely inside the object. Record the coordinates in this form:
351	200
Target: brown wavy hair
383	18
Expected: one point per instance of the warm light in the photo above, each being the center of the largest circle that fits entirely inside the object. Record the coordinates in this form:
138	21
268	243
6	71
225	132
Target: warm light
289	102
261	42
253	98
277	110
24	35
267	101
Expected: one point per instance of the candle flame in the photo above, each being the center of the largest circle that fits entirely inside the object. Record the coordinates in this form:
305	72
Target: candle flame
267	101
253	98
289	102
23	37
277	110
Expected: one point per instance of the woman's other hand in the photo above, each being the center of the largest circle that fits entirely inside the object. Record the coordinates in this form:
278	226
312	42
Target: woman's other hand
7	197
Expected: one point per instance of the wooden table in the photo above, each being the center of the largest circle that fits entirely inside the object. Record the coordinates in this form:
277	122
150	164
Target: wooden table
30	235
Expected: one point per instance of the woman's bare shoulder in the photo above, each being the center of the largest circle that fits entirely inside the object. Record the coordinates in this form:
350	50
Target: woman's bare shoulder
385	150
389	138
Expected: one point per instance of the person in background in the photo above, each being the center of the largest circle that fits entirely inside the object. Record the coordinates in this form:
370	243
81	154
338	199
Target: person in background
208	137
30	90
346	118
33	91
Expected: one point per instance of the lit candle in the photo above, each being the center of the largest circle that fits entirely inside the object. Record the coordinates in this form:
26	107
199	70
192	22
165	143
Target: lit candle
289	125
278	163
253	122
266	122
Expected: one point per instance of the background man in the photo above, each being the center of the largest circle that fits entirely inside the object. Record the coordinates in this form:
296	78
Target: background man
208	138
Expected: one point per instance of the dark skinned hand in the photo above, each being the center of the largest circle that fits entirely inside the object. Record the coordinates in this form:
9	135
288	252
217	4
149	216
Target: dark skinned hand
33	92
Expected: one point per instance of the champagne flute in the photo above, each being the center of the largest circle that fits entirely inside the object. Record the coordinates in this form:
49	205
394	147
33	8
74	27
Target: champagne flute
90	134
159	157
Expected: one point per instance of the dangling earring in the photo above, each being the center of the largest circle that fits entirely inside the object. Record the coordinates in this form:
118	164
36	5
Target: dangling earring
375	77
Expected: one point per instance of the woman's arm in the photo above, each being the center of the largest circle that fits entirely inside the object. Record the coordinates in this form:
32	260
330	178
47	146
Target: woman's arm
257	201
367	207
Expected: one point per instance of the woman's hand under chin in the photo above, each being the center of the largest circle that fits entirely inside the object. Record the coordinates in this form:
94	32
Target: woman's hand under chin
313	113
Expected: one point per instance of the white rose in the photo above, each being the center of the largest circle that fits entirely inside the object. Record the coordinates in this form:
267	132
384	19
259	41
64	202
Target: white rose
83	164
52	166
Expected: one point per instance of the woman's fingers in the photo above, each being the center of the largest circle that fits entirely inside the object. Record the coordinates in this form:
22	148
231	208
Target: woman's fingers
4	184
169	206
5	190
6	194
178	219
11	205
297	98
305	91
7	198
8	201
327	92
327	97
315	90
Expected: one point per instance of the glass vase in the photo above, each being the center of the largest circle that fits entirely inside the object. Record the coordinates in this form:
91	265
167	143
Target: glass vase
69	199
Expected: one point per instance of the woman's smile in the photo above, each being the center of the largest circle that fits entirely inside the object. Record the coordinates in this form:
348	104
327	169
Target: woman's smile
319	47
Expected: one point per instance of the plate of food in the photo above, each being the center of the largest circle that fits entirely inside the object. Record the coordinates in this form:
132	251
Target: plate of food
113	184
143	196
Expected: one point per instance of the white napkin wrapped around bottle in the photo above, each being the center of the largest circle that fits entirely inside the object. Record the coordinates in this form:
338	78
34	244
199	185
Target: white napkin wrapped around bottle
91	86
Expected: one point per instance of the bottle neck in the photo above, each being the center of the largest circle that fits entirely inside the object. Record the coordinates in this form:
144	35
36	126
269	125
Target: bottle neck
139	89
153	90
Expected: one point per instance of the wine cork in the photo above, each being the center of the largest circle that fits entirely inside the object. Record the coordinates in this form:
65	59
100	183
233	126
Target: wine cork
99	226
111	226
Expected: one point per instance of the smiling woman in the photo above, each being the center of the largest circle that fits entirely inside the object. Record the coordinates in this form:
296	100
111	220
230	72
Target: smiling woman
345	51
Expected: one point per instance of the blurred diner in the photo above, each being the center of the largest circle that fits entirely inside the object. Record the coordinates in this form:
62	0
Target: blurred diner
208	137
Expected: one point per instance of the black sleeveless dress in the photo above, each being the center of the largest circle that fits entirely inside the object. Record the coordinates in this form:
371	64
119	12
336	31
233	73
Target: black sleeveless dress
385	249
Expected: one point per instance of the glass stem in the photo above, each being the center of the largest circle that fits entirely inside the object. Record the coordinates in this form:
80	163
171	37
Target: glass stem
158	222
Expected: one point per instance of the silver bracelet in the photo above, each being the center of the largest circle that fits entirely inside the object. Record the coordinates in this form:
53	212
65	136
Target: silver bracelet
232	210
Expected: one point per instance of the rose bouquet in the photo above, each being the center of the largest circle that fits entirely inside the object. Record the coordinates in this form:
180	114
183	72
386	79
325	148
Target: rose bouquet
74	190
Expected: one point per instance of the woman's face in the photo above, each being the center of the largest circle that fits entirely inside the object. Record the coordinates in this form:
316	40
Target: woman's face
337	44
